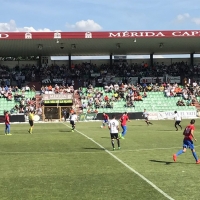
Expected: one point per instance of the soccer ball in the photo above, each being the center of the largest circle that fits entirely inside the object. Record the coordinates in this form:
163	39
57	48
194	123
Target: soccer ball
101	126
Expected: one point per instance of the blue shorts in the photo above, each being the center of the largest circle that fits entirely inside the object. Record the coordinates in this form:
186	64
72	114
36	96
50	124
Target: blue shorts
188	144
105	121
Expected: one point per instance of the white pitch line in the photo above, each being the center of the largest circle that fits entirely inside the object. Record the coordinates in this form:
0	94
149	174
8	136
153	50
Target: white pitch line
123	163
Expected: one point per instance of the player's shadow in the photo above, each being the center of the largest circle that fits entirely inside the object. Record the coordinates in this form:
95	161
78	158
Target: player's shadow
162	161
138	125
168	163
94	148
65	131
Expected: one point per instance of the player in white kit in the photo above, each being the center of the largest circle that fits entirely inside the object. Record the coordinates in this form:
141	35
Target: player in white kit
73	119
177	119
114	131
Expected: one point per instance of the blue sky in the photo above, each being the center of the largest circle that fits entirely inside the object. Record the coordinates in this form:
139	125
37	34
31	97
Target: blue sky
99	15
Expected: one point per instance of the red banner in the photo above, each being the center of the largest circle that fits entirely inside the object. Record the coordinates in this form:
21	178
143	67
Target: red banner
103	35
57	96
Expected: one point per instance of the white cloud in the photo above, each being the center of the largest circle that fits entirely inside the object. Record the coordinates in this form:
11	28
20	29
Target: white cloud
11	26
85	25
196	20
182	17
186	17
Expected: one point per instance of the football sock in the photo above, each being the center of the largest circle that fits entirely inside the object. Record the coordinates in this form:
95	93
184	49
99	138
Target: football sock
179	152
195	155
180	126
118	143
113	143
9	129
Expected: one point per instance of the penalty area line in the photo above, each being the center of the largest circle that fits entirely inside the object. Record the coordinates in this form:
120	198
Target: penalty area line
126	165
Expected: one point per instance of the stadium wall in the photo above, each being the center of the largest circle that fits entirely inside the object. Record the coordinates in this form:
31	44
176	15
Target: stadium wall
135	115
154	115
170	115
13	118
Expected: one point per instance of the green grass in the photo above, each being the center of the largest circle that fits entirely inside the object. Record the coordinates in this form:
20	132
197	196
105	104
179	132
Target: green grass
54	163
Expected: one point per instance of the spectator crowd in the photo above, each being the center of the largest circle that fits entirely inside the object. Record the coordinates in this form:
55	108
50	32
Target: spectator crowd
93	78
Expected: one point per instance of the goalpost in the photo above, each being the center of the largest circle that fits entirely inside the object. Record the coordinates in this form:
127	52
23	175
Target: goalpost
52	113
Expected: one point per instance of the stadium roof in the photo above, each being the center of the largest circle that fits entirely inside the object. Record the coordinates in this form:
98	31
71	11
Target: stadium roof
13	44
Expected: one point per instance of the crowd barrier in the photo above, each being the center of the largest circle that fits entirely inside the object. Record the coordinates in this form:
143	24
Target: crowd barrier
95	116
170	115
99	116
139	115
133	115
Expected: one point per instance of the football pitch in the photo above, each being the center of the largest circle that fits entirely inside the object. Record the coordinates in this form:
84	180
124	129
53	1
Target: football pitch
55	163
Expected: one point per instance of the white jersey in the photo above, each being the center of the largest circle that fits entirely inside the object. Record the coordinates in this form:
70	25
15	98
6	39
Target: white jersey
113	125
73	117
177	117
145	114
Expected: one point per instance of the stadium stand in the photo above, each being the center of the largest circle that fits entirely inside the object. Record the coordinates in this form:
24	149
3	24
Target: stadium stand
20	102
100	100
99	92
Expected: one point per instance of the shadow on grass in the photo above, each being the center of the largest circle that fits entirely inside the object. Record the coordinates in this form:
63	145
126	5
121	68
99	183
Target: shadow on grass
139	125
164	162
65	131
168	163
94	148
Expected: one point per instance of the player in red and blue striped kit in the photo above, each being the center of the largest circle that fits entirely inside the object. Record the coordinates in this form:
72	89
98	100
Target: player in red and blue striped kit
7	123
188	142
124	118
105	119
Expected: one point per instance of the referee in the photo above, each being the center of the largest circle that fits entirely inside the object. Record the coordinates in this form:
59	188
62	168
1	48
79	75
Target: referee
31	118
